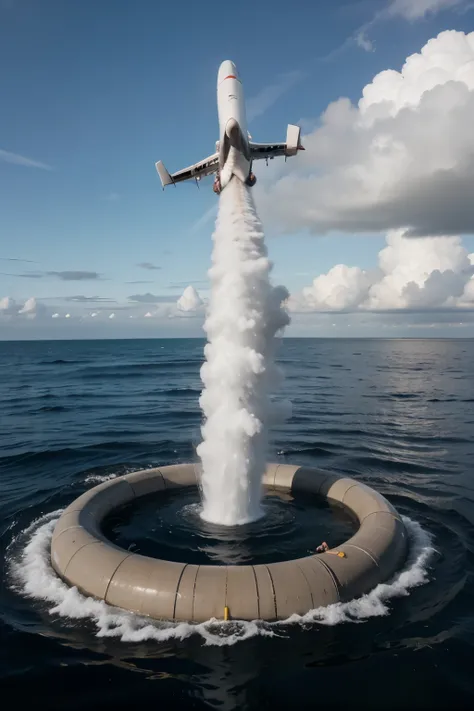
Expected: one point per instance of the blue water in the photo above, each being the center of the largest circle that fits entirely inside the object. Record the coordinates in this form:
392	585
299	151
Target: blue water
396	414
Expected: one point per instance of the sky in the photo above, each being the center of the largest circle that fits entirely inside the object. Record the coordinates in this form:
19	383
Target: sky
370	229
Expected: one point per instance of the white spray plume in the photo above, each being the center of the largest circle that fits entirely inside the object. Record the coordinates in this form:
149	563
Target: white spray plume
245	313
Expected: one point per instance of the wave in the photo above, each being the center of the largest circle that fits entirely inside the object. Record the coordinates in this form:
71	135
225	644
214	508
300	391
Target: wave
51	408
162	447
315	451
129	369
61	361
32	576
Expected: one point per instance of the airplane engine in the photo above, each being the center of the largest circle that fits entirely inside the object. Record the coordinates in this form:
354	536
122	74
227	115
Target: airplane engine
251	180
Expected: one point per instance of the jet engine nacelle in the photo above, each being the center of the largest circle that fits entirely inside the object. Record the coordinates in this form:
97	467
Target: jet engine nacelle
292	140
251	180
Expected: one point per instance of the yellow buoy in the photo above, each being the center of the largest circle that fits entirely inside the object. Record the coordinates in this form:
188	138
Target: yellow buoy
226	613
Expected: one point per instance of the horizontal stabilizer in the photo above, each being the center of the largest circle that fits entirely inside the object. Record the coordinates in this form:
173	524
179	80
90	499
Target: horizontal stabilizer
292	140
165	177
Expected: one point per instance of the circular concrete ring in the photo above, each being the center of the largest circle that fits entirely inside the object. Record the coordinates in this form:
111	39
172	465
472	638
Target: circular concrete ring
161	589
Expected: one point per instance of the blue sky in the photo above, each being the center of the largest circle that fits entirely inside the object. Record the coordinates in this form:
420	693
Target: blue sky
94	93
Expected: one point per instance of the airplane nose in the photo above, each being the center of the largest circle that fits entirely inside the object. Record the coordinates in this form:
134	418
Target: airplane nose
226	69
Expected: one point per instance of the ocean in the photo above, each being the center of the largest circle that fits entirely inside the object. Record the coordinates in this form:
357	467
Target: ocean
395	414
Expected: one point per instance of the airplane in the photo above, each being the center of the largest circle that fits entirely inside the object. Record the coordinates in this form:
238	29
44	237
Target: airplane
235	150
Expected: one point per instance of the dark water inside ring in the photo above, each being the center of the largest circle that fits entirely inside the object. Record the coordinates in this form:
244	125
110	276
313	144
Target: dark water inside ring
397	415
169	526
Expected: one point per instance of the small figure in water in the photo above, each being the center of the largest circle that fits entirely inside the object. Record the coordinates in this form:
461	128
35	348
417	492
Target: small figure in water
322	548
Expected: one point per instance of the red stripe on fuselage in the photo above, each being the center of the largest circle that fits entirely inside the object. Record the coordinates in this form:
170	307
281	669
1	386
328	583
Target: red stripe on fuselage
231	76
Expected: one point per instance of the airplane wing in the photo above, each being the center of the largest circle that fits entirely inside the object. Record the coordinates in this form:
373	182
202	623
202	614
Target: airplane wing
196	172
272	150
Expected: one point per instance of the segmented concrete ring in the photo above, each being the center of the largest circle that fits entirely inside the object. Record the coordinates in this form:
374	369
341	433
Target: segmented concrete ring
83	557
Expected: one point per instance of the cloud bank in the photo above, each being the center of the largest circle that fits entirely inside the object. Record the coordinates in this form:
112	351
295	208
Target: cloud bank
413	274
30	309
402	158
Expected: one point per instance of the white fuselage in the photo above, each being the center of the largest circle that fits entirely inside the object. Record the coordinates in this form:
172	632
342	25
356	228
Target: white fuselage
233	136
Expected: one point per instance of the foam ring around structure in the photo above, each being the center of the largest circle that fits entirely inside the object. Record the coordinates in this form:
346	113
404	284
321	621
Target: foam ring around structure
83	557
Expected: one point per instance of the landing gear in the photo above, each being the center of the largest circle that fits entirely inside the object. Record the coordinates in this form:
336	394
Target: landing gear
251	180
217	185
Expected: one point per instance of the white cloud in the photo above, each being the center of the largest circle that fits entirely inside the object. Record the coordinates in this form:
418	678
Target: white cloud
17	159
340	289
402	158
413	274
8	306
415	9
56	315
364	42
189	305
189	300
32	308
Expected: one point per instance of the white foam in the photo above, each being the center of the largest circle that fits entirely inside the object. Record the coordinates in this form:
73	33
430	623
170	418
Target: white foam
33	576
239	375
98	478
375	603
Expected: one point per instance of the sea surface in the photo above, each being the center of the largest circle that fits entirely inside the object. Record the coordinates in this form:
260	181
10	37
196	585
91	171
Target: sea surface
396	414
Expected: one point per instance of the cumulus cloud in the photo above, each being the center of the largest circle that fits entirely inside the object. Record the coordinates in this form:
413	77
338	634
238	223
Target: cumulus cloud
341	289
413	274
32	308
382	164
189	300
189	305
8	306
148	265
